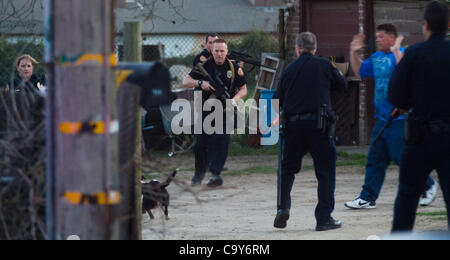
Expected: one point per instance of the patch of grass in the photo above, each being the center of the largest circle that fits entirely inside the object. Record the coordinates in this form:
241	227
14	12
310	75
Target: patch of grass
307	167
261	169
437	215
351	156
237	149
346	159
252	170
433	214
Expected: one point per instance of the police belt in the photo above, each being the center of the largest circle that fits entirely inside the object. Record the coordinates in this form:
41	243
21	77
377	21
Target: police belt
302	117
437	127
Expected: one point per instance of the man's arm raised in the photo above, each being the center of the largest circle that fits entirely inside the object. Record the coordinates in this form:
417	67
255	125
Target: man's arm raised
355	47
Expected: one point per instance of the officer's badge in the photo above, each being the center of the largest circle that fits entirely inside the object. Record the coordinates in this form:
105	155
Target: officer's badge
203	58
229	74
240	72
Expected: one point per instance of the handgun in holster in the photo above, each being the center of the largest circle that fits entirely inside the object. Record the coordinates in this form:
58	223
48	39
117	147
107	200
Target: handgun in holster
413	124
326	122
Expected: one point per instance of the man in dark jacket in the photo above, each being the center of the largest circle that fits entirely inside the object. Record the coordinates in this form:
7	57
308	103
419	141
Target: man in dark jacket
421	85
207	52
304	89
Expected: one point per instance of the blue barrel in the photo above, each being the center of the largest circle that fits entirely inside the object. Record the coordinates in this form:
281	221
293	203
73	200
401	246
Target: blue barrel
268	113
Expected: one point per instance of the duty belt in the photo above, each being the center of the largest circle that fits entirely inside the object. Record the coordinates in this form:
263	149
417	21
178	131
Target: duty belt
438	127
302	117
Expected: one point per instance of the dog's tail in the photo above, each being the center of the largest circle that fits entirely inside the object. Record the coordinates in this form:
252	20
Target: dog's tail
170	179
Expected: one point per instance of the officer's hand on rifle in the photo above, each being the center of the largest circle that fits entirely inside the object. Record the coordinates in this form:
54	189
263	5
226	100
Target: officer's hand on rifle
206	86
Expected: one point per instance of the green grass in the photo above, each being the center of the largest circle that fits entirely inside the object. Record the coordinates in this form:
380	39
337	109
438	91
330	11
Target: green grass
237	149
252	170
438	215
346	159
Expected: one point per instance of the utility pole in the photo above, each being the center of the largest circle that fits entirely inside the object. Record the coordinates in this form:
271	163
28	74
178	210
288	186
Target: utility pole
130	139
84	131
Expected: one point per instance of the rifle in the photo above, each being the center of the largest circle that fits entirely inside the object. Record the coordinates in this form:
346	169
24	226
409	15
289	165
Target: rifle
219	89
394	114
246	58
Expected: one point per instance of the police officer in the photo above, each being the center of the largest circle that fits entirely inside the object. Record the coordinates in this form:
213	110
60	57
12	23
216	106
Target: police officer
206	53
305	88
215	145
421	83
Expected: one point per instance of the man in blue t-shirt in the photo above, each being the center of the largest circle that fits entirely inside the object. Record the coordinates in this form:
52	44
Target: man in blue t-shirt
390	146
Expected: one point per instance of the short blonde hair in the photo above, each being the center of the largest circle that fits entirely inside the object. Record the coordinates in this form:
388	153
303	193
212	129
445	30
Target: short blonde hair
26	57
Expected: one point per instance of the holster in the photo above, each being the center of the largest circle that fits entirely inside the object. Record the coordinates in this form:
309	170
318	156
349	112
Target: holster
332	122
413	127
439	127
326	122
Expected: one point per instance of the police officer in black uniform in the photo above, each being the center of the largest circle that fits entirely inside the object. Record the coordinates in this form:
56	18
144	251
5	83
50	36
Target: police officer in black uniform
215	145
303	91
421	85
206	53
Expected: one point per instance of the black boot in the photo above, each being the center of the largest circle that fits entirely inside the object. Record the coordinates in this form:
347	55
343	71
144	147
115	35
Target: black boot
332	224
281	218
197	179
215	181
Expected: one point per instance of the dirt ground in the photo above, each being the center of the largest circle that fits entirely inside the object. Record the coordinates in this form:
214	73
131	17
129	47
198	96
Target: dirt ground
245	207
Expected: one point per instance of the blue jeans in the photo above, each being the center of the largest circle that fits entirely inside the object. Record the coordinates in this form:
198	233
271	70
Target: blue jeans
390	147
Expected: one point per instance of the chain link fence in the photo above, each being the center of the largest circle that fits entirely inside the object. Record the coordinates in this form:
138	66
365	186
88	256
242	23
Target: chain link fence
177	52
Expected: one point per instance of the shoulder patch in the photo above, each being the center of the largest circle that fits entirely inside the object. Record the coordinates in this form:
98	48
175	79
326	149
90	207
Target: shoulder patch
203	58
240	72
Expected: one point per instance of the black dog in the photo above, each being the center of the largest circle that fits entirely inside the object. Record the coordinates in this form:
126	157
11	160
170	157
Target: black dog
155	194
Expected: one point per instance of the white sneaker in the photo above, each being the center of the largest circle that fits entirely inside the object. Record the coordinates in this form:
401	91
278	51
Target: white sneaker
429	196
360	204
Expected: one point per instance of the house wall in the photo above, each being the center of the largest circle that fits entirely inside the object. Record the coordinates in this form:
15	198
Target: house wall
335	24
336	21
406	15
293	28
266	2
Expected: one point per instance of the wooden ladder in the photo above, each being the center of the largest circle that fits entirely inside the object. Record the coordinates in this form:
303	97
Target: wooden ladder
266	81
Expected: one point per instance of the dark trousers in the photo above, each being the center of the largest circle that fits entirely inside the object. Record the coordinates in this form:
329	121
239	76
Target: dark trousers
302	137
211	151
433	153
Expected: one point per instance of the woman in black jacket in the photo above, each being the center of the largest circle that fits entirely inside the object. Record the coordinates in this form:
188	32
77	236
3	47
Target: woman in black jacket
24	77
